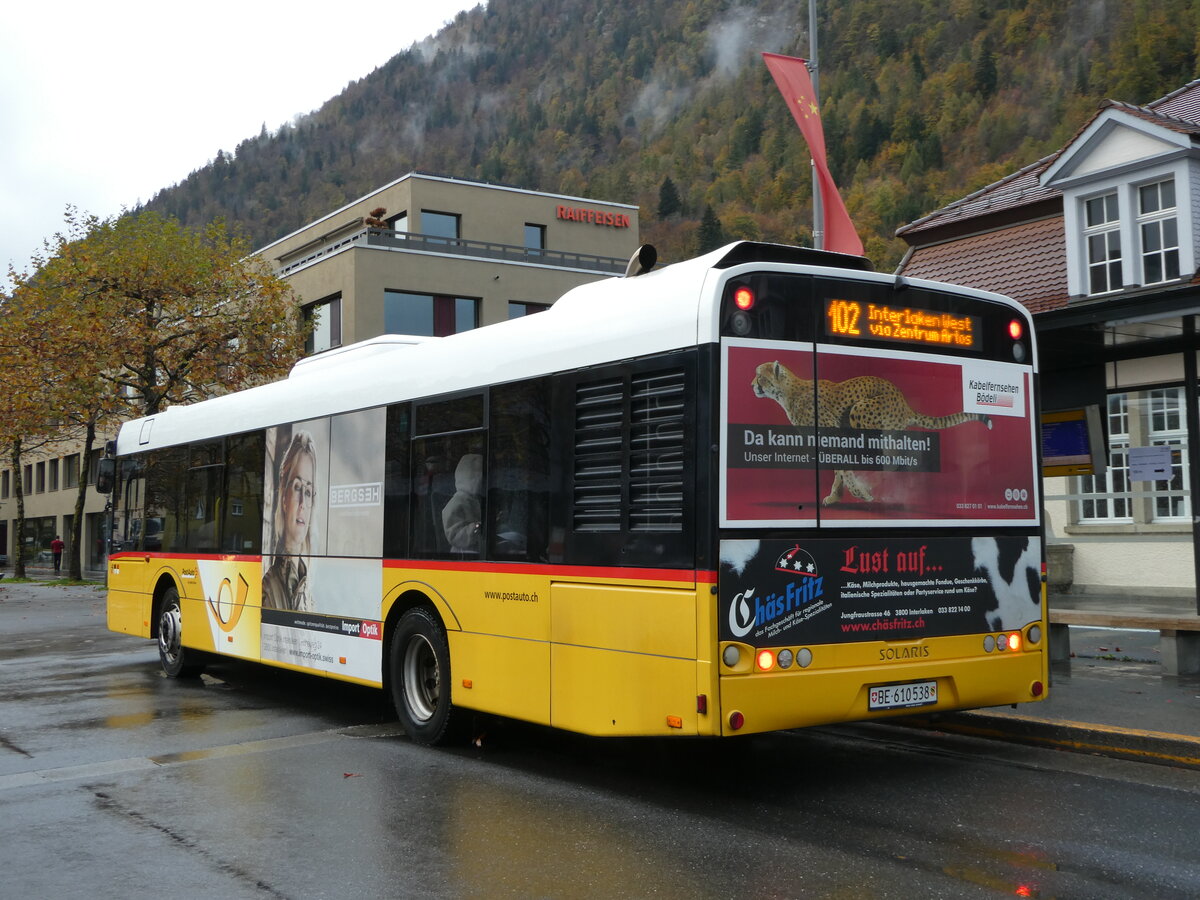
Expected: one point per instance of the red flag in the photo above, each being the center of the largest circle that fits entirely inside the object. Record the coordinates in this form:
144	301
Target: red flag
791	75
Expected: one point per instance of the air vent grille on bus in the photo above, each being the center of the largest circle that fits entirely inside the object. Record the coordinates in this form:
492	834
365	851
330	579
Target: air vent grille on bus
629	454
656	453
599	455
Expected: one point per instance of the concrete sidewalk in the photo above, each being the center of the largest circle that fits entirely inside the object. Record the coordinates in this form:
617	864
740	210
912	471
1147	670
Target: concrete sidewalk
1111	698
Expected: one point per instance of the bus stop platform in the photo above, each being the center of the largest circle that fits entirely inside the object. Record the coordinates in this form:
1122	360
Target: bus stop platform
1112	692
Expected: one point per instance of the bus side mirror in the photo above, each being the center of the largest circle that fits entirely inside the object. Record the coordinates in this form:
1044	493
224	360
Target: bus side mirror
106	473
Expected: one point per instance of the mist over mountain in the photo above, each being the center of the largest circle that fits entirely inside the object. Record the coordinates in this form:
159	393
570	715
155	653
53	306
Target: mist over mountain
668	105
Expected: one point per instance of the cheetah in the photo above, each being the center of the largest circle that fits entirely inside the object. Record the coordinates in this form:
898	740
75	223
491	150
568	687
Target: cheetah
863	402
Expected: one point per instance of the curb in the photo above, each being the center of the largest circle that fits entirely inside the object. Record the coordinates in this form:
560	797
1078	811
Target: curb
1157	747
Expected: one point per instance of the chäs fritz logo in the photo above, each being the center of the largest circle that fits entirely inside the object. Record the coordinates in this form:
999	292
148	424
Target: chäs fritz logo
741	616
792	602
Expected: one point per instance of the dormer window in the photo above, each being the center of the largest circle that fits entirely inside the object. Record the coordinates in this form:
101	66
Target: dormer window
1158	228
1102	234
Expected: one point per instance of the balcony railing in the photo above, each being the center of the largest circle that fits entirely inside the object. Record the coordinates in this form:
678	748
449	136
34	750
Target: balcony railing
425	243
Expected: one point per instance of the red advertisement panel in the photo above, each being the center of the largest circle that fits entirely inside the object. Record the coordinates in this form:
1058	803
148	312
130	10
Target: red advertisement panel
838	436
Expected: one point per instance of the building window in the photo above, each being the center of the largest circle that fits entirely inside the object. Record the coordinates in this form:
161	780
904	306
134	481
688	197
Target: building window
440	224
70	466
398	222
1149	418
5	484
517	309
1168	428
325	317
425	314
1102	235
27	480
41	477
1105	499
1159	231
535	239
53	467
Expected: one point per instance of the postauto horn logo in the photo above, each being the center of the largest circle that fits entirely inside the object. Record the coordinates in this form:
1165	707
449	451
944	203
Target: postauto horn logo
807	585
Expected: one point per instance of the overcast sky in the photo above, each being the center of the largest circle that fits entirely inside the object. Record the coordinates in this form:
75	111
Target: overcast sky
103	104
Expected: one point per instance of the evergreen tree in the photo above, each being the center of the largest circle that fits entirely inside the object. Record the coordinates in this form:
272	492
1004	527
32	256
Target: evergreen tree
669	203
711	235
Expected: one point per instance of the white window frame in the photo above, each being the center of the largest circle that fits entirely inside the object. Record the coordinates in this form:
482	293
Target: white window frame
1109	502
1167	426
1160	220
1149	416
1107	230
1126	180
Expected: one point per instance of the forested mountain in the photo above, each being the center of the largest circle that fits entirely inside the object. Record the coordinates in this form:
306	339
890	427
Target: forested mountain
668	105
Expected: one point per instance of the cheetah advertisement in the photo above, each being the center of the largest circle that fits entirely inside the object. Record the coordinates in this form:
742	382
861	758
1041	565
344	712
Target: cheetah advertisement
836	436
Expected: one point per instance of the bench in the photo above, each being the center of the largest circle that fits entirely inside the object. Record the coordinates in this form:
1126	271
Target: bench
1179	636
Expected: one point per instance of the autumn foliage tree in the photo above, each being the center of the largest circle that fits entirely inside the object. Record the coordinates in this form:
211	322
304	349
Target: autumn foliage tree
24	422
135	313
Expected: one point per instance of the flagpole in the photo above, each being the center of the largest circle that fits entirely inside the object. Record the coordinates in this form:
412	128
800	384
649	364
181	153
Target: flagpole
818	209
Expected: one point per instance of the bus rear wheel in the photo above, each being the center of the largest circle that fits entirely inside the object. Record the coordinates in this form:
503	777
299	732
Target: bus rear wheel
176	661
420	670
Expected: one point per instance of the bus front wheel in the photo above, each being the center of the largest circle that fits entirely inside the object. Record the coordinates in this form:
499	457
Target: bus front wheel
176	661
420	669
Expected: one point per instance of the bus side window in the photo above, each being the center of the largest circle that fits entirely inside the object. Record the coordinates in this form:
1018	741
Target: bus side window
205	478
397	483
445	432
519	472
166	475
241	530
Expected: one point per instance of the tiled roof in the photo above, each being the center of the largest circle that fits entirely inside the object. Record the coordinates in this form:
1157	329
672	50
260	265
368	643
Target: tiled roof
1172	123
1018	189
1183	103
1027	261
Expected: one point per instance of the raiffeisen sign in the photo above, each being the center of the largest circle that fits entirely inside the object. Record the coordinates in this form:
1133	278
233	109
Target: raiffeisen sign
593	216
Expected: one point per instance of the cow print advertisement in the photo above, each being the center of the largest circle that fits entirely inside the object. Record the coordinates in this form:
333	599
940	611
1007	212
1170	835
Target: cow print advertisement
832	590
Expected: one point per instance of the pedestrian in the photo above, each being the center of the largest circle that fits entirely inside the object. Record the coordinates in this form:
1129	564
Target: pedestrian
56	547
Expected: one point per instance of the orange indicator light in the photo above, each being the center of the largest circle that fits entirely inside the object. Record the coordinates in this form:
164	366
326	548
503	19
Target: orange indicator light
1014	641
1015	329
743	298
674	722
765	659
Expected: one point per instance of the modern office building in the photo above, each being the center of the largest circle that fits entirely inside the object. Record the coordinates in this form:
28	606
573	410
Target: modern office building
425	254
434	255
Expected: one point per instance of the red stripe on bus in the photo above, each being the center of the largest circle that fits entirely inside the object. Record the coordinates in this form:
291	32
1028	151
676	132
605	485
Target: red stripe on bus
699	576
702	576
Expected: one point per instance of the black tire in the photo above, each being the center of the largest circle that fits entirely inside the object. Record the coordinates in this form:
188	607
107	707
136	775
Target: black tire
420	670
176	660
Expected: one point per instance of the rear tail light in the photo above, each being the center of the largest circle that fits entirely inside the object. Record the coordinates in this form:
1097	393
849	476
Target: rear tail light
1010	641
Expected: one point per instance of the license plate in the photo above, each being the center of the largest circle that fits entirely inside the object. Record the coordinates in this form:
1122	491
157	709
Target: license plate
902	696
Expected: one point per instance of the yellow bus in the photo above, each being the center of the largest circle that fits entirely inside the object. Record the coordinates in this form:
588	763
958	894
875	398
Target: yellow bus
761	489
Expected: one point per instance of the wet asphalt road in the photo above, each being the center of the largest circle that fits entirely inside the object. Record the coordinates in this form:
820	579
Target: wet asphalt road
115	781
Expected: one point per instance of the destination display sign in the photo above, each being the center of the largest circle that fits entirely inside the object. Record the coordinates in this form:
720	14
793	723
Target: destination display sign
902	324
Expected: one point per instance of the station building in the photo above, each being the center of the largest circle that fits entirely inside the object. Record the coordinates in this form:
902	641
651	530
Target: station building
425	255
1101	241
